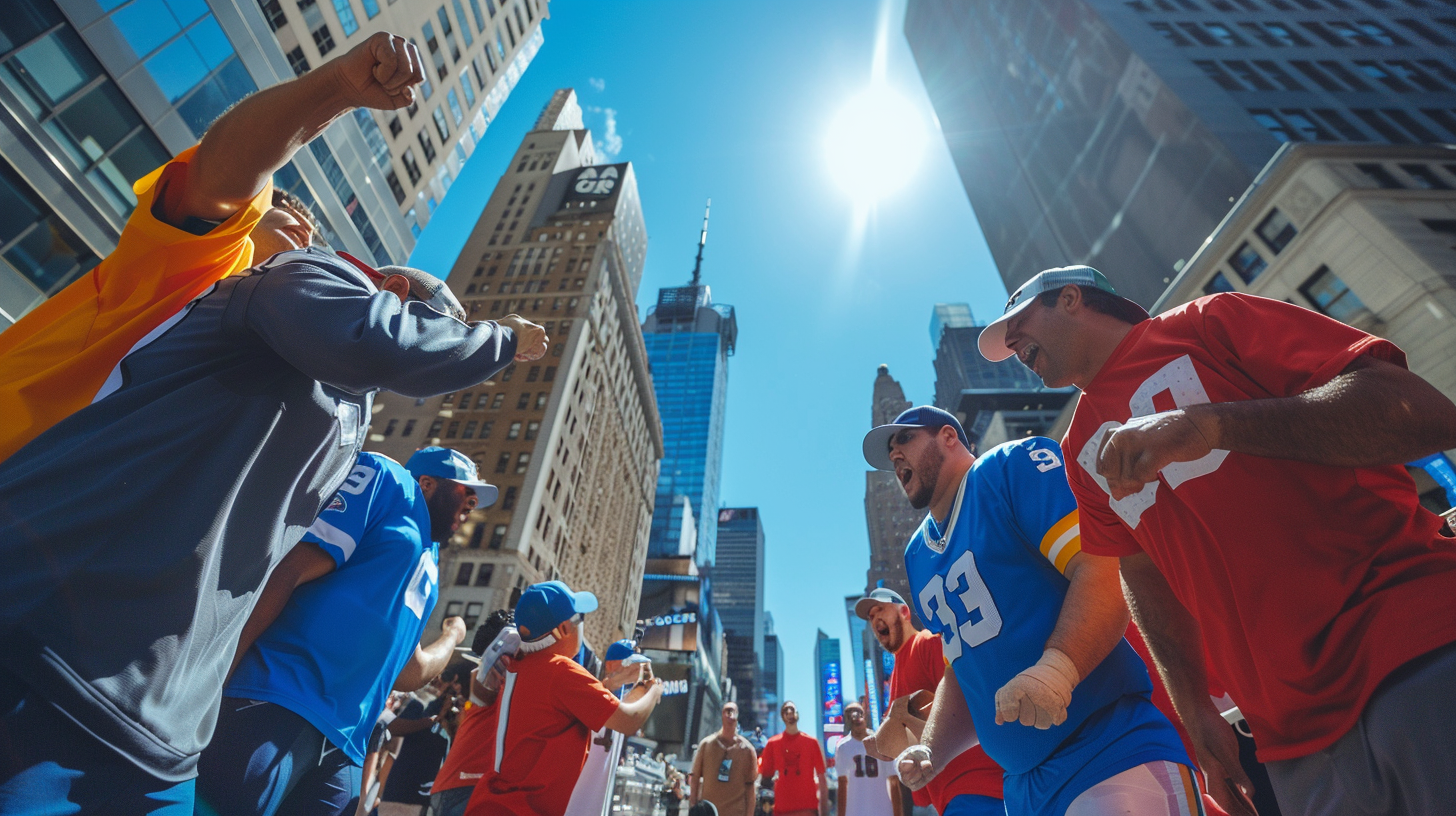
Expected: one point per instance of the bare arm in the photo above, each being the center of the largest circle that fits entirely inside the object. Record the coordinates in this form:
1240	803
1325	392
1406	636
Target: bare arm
246	145
694	775
897	796
842	801
632	714
949	732
1373	413
1094	613
898	730
824	793
428	661
305	562
1176	644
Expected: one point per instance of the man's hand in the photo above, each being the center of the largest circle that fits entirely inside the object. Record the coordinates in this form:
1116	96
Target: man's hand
531	339
1132	455
1217	751
871	747
453	627
914	767
1039	695
379	73
624	676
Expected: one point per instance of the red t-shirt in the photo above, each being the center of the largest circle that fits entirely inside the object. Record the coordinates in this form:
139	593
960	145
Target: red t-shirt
1311	583
919	665
796	758
548	708
469	755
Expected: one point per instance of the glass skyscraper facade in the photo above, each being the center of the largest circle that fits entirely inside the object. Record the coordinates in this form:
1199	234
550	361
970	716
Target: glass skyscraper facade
738	598
689	340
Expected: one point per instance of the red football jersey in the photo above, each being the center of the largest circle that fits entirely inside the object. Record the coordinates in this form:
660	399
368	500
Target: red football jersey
469	749
796	758
548	709
1311	583
919	665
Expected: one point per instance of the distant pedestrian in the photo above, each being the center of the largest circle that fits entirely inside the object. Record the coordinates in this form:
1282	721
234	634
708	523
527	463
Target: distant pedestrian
725	768
864	783
795	762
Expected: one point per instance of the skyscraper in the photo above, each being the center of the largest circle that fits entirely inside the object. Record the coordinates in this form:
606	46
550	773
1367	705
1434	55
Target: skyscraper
738	599
773	677
573	439
959	364
472	62
1118	133
828	675
689	340
889	518
95	96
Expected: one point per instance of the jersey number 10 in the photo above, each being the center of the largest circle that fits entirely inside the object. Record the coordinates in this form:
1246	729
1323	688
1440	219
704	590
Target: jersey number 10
983	619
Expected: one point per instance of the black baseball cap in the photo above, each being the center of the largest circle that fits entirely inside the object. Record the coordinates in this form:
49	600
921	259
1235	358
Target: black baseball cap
877	441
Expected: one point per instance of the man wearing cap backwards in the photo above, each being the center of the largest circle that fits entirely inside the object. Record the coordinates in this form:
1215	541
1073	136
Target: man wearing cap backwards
622	668
217	443
725	769
1032	629
802	786
970	785
1243	458
337	627
549	708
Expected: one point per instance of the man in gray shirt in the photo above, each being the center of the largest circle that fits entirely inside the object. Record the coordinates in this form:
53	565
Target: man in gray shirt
136	533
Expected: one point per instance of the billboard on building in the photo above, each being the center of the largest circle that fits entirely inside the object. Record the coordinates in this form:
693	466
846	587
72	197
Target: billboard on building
830	697
668	609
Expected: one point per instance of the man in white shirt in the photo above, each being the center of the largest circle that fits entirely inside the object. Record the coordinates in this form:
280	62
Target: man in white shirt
864	788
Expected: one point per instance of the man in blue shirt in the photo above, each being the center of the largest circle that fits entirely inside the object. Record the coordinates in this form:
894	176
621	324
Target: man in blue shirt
1026	619
336	628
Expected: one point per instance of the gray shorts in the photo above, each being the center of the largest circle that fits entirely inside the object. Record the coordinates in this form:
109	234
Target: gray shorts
1400	758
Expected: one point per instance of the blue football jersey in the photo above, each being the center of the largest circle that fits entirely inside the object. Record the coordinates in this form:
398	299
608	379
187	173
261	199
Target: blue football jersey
993	592
334	653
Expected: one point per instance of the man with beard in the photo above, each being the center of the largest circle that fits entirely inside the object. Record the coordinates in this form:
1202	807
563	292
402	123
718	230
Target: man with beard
970	785
1025	619
337	627
1244	458
796	758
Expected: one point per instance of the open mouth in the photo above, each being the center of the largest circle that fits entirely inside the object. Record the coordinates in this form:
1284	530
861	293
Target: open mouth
1029	354
904	474
881	630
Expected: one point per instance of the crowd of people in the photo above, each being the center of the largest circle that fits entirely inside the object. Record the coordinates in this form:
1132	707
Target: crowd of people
225	616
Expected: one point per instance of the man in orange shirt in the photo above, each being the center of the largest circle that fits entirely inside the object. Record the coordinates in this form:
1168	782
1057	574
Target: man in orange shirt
548	708
797	759
207	214
971	784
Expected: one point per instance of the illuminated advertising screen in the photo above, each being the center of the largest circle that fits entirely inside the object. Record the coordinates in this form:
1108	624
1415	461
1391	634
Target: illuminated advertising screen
668	610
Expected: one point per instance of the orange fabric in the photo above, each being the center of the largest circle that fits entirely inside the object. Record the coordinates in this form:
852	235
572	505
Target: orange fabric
55	359
470	749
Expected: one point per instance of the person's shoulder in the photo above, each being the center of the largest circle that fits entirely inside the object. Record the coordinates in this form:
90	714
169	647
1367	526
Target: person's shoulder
311	260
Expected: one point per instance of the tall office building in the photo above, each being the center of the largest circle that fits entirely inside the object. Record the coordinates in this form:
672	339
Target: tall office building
888	515
773	677
959	364
93	96
828	676
689	340
472	62
859	655
738	599
1118	132
573	439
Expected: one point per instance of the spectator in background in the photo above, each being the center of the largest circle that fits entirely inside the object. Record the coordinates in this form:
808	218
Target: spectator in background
794	760
725	768
379	738
622	668
423	730
549	707
336	627
469	754
864	783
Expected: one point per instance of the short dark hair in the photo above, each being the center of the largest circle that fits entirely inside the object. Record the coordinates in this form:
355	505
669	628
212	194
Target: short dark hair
1098	301
457	673
282	198
489	628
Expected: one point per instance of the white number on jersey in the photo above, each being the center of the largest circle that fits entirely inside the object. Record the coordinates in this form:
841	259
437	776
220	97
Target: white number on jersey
1180	379
1045	459
421	582
358	479
966	586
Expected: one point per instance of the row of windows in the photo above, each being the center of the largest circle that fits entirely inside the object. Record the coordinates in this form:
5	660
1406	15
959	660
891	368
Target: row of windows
1393	125
1146	6
1325	292
1401	76
1339	33
527	287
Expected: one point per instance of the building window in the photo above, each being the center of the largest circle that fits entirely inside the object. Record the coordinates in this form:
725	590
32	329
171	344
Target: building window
455	111
522	461
533	429
1249	76
297	61
464	24
1171	34
1305	128
1223	34
395	126
514	432
1247	262
496	401
389	429
1415	76
427	145
508	502
550	373
1424	177
469	432
1330	296
497	537
533	374
273	13
480	401
447	31
1340	124
484	574
472	614
464	574
454	608
510	371
433	45
1277	230
324	39
469	92
1374	71
440	125
1279	75
409	428
371	8
392	179
1272	124
524	401
410	166
503	463
453	430
347	21
485	429
1216	73
541	399
436	427
1319	77
1383	178
1218	283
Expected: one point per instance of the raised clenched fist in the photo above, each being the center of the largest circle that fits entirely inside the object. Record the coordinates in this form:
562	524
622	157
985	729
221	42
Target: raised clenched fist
379	73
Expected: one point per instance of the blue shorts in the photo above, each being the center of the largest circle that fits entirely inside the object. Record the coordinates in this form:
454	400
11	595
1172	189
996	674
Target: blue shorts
1113	739
50	765
265	760
970	804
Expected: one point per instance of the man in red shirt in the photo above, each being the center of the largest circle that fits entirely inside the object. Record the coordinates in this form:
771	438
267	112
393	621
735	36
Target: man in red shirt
971	784
1243	457
549	706
797	759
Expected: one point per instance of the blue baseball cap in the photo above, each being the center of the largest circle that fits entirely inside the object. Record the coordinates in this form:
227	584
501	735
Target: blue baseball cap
620	650
877	441
547	605
992	341
445	463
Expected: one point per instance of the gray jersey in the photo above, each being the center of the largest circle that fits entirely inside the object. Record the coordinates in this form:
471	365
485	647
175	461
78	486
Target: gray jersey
135	534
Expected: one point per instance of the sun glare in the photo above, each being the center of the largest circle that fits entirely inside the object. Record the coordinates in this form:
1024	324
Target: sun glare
874	144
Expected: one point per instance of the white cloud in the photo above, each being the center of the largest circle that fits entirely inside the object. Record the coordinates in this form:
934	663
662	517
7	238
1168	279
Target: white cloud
610	141
597	83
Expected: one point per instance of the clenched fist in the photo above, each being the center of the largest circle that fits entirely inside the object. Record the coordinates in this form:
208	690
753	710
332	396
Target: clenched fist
379	73
1039	696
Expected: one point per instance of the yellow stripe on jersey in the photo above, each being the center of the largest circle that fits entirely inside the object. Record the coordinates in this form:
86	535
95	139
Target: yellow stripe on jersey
1062	541
1194	800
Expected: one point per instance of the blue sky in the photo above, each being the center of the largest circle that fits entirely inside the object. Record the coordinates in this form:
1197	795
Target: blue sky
732	101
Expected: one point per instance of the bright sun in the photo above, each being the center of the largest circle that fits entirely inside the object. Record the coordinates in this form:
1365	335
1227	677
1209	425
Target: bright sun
874	144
